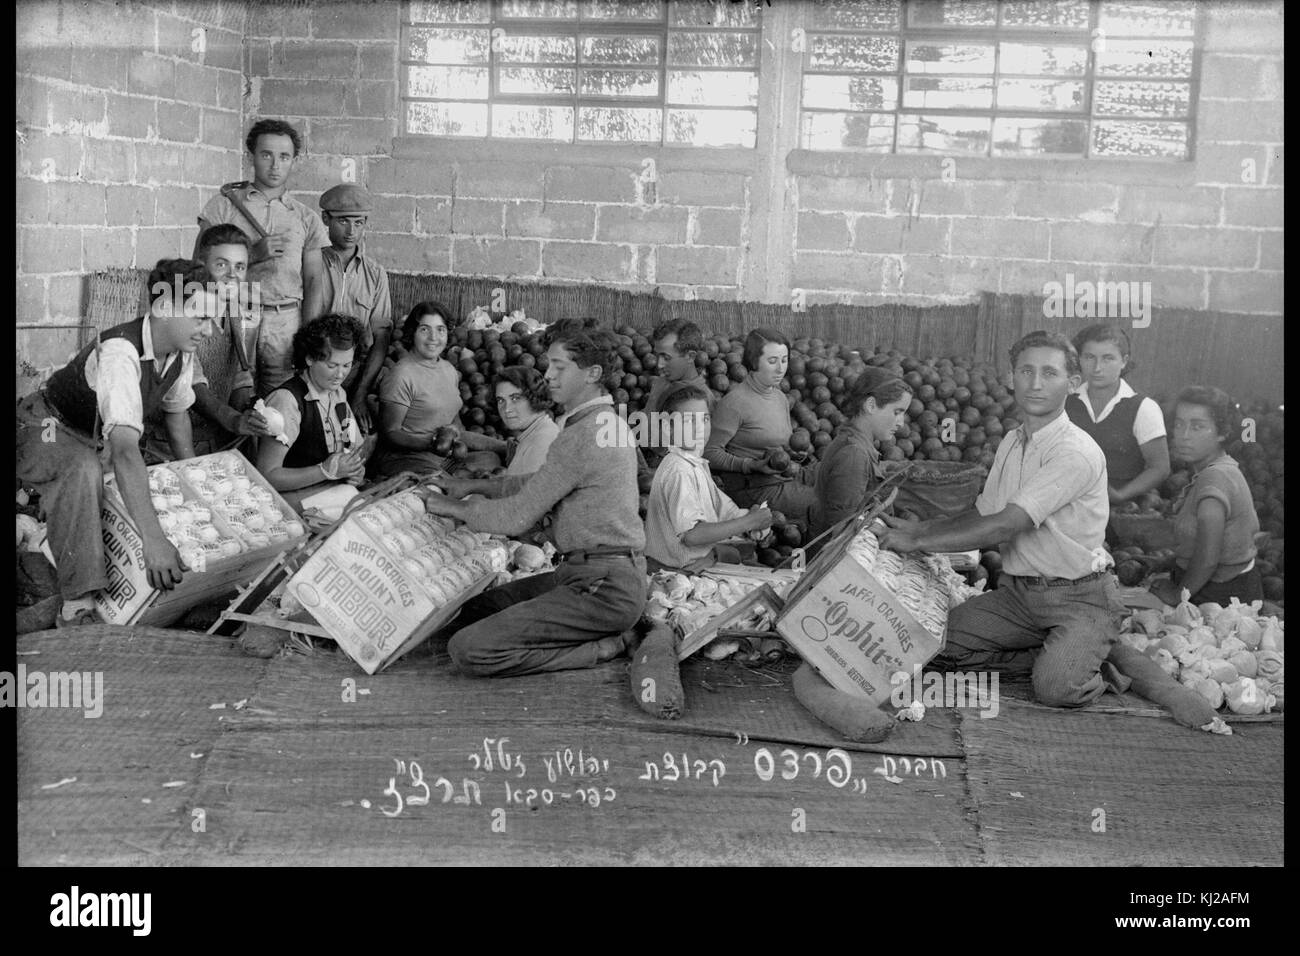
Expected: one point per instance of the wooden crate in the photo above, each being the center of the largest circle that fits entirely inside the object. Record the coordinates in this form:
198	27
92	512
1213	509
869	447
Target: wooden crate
356	588
129	599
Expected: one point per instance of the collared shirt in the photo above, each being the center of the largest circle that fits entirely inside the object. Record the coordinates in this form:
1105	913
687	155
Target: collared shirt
683	494
1057	476
279	279
1148	424
532	445
337	435
358	288
1223	481
115	377
563	420
659	388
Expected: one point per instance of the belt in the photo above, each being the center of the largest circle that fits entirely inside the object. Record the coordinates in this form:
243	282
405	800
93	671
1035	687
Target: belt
279	306
579	557
1059	582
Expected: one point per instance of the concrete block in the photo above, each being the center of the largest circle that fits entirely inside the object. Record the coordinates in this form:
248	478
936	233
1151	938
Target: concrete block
949	275
1213	248
1256	292
893	234
221	129
433	216
1102	242
66	297
843	194
588	261
31	200
351	137
49	249
641	224
718	227
76	204
151	75
131	116
825	270
181	123
107	248
399	252
496	257
499	180
477	217
611	184
1259	206
131	206
409	177
1013	238
356	20
314	59
692	265
701	188
827	231
1227	121
301	98
1180	205
551	220
1091	202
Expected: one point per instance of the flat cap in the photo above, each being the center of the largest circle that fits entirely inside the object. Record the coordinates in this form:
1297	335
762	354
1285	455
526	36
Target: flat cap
346	199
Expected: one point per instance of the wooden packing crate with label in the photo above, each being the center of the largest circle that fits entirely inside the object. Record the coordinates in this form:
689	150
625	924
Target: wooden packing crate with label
357	588
129	599
850	628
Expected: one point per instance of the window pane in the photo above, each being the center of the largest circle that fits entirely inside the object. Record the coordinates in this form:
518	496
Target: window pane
620	83
872	131
863	54
537	81
452	11
1118	98
1060	15
620	124
854	15
949	13
1148	19
713	49
636	51
1039	60
712	13
1060	95
712	127
524	49
1015	136
433	45
945	134
948	93
927	57
851	92
1145	58
447	119
622	9
448	82
1159	140
716	88
532	122
539	9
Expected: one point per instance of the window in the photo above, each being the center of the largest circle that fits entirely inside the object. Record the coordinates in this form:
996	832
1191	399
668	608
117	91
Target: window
583	71
1053	78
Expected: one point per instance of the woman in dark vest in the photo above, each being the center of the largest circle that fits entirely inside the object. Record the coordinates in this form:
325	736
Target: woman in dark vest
320	443
1128	426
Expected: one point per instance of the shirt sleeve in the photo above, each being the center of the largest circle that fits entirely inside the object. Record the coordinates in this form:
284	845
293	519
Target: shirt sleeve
726	422
536	494
396	388
1149	423
682	506
115	376
382	317
845	485
728	510
1211	483
1062	479
286	405
199	377
181	395
316	236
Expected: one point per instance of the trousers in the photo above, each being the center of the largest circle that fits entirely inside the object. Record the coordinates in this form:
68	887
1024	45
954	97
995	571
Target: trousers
64	467
1058	634
275	348
548	622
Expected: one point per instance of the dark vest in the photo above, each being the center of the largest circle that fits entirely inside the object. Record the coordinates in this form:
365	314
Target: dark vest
310	448
1114	434
67	391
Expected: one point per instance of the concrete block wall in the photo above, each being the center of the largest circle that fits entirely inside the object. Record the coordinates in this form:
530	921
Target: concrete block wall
519	211
129	117
125	130
1206	234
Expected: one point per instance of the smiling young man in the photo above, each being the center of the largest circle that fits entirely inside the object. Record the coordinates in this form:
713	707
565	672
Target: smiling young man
287	238
581	614
100	401
1055	613
355	284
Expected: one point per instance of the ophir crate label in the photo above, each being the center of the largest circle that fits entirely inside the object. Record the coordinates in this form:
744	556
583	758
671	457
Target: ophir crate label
855	632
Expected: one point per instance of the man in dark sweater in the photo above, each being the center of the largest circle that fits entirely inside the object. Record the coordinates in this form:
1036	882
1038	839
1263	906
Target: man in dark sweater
110	389
581	614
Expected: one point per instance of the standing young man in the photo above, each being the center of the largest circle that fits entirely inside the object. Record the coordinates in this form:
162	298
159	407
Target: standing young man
1055	613
287	238
581	614
225	361
355	284
109	389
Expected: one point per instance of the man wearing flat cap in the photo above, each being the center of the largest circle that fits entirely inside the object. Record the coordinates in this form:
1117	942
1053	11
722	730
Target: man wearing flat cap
354	284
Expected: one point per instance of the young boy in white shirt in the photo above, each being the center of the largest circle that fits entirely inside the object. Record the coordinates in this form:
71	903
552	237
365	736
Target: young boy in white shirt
687	515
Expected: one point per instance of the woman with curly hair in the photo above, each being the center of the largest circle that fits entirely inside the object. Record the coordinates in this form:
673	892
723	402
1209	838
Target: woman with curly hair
420	394
1215	523
525	406
320	444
